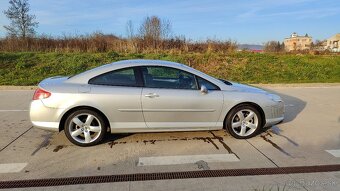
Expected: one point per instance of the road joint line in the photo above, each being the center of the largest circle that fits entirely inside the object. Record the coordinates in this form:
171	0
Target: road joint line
263	154
335	153
13	110
185	159
16	139
12	167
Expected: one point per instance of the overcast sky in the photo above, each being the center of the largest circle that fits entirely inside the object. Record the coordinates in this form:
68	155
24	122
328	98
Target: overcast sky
246	21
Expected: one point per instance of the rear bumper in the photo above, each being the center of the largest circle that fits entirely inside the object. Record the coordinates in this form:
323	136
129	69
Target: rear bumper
50	126
44	117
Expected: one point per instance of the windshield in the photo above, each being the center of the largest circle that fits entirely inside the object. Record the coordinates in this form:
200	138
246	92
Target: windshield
226	82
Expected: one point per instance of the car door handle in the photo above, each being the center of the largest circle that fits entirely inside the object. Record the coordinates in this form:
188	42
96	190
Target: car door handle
151	95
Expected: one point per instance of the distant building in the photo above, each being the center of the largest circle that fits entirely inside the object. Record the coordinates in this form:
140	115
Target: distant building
320	45
296	42
333	43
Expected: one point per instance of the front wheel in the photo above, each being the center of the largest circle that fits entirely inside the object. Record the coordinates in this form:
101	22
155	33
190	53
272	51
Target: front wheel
85	127
244	121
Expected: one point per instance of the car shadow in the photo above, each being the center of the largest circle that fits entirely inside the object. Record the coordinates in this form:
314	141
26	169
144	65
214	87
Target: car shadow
114	137
293	105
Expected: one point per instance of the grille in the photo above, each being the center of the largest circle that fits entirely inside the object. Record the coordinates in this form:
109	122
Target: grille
277	111
165	175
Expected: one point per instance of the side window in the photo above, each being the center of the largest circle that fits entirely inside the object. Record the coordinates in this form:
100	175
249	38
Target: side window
121	77
166	77
206	83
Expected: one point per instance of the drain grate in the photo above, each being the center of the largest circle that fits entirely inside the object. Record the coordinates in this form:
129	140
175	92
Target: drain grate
165	175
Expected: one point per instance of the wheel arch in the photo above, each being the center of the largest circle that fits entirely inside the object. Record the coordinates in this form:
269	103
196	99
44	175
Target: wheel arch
259	109
66	114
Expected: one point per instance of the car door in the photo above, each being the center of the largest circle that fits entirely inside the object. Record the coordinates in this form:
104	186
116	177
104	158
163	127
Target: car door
118	93
171	99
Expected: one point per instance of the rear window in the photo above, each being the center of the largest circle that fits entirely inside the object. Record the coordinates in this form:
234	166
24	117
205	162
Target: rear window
122	77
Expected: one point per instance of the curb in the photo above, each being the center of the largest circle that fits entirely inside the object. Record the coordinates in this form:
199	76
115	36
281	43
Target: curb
18	87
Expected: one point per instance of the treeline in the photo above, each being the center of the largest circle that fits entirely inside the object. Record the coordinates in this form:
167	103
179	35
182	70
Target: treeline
99	42
274	46
152	36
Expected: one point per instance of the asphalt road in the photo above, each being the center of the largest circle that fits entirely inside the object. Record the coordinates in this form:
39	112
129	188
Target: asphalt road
311	128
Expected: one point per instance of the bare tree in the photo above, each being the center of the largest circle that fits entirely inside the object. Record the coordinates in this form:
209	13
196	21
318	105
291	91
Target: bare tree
130	31
273	46
132	41
22	23
166	29
153	30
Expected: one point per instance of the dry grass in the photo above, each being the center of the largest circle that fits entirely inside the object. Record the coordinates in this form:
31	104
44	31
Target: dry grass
98	42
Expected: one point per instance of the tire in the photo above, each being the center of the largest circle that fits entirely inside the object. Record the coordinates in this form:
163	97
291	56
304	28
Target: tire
85	128
243	127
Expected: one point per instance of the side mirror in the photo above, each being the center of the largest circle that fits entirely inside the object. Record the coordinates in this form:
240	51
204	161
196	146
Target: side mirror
204	89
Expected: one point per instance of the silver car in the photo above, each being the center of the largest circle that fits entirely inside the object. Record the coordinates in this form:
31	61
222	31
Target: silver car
150	96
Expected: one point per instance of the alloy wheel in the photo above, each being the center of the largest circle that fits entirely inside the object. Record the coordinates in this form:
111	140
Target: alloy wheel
244	122
85	128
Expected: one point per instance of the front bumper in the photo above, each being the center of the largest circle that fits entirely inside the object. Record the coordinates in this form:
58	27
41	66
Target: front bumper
271	122
274	114
44	117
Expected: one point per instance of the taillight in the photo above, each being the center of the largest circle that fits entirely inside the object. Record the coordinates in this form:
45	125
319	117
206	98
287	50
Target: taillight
41	94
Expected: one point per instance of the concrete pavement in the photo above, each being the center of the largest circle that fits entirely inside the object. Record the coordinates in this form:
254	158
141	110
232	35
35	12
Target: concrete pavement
311	126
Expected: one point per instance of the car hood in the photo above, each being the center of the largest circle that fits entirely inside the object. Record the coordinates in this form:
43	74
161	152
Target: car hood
246	88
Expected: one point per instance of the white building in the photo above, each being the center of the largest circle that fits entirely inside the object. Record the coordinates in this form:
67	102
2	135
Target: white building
333	43
296	42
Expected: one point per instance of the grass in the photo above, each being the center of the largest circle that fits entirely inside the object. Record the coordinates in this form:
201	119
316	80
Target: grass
29	68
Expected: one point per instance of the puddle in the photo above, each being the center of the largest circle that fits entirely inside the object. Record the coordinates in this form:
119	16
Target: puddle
206	140
44	143
211	140
149	141
277	131
116	143
220	139
154	141
264	137
59	147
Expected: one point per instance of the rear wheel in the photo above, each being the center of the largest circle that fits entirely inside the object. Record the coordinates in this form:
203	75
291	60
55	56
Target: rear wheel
244	121
85	127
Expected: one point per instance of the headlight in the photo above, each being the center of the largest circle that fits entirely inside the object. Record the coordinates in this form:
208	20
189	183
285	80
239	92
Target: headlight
275	98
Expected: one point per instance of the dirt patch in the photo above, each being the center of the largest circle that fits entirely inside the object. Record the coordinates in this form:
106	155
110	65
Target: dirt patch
202	165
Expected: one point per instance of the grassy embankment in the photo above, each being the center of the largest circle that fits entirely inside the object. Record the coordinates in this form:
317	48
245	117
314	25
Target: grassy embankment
30	68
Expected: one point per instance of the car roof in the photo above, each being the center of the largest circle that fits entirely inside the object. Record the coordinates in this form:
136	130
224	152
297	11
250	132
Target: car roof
148	62
145	62
85	76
